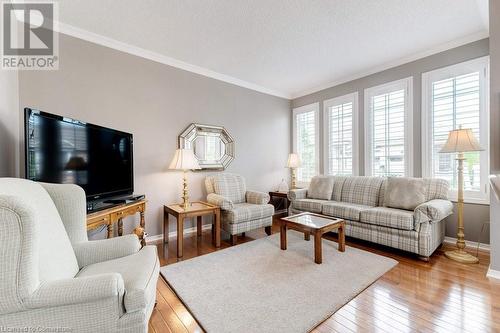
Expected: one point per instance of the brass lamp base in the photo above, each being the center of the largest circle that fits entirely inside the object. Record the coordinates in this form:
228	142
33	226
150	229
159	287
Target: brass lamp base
461	256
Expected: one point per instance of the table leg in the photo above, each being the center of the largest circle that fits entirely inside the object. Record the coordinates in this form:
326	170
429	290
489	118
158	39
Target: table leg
318	254
180	236
342	238
307	235
198	225
283	236
110	230
217	228
120	227
143	221
165	227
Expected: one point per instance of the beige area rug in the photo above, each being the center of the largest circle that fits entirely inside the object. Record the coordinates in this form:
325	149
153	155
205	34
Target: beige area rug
257	287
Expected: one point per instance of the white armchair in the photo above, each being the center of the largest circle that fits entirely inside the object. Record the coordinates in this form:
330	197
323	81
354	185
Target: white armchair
53	276
241	210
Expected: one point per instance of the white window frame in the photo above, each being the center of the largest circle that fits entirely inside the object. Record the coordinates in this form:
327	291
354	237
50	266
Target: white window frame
304	109
407	84
349	98
482	66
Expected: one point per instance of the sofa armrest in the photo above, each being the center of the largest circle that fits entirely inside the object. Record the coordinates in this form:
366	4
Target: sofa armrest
91	252
76	291
223	202
296	194
258	198
433	210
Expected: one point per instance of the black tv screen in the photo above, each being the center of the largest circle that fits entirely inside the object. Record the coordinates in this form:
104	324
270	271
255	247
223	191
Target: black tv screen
63	150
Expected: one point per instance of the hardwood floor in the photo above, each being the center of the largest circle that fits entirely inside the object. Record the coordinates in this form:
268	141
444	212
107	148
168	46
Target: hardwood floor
415	296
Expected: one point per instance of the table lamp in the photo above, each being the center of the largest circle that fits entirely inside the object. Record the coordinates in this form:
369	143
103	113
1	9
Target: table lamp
184	159
293	163
460	141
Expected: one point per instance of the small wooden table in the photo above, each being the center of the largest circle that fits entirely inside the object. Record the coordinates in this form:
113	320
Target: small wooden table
280	202
115	214
316	224
197	209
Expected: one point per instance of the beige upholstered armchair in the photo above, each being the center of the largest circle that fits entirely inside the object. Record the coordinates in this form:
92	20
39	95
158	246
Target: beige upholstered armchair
52	276
241	210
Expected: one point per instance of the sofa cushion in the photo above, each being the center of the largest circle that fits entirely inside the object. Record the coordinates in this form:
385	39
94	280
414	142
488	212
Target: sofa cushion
362	190
309	205
389	217
244	212
230	186
338	183
404	192
343	210
321	187
139	272
436	188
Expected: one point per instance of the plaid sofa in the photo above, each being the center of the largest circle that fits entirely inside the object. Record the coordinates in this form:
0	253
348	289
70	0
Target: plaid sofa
359	201
241	210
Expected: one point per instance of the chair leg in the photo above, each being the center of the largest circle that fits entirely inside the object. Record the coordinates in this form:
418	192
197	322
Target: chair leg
268	230
233	239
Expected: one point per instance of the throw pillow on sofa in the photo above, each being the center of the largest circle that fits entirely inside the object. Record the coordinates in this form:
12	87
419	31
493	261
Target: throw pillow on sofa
404	192
321	187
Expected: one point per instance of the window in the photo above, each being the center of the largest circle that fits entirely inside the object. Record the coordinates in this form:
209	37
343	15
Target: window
306	141
340	123
388	134
452	97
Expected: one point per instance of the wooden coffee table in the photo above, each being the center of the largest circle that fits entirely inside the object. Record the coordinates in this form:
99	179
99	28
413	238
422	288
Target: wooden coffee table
315	224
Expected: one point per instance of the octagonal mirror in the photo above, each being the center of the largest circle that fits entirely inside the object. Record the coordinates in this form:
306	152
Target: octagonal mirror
212	145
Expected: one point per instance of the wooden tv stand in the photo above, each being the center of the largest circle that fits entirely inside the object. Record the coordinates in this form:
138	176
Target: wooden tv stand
115	214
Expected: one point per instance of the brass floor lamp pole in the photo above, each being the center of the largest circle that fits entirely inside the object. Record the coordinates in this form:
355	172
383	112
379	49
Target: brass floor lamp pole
459	254
460	141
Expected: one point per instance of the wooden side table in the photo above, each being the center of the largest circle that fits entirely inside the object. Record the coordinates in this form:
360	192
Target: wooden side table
280	202
115	214
197	209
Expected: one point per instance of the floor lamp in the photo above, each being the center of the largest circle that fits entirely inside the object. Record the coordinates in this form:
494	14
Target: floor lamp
461	141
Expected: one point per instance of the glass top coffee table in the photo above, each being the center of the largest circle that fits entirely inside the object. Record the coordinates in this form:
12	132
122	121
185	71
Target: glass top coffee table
315	224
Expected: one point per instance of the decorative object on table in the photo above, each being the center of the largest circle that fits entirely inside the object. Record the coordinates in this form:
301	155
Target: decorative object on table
197	209
253	271
461	141
280	202
212	145
184	160
283	186
242	210
294	163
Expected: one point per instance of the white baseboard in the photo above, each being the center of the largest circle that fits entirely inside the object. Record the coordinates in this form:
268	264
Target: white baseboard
159	237
469	244
493	273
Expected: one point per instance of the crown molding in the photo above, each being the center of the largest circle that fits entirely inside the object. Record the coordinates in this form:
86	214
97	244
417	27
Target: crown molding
401	61
160	58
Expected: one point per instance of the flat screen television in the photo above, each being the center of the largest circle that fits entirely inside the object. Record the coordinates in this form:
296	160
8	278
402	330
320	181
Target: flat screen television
68	151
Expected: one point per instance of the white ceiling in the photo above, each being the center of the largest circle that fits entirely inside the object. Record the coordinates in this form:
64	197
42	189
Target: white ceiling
284	47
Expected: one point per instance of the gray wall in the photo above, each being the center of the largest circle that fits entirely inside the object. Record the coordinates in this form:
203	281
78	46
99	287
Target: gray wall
9	127
494	127
474	215
156	102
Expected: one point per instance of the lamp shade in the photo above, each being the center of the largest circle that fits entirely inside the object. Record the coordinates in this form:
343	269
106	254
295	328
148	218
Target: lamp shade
460	141
184	159
293	161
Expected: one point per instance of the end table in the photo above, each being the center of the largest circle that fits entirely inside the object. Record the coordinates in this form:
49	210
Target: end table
196	209
280	202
